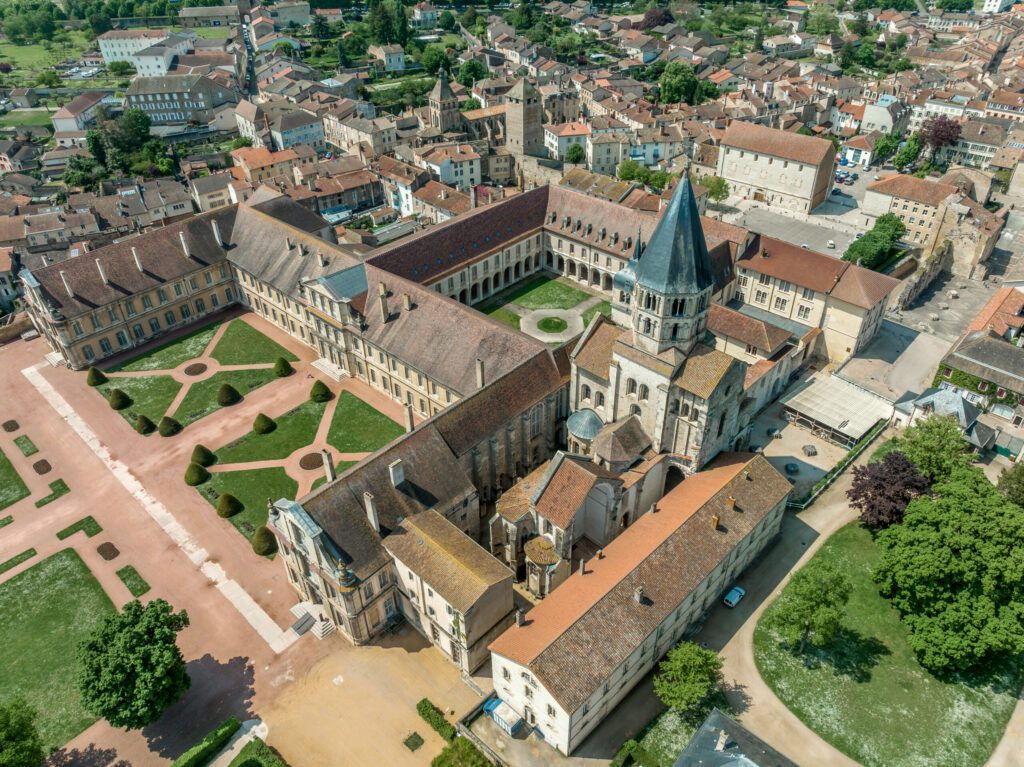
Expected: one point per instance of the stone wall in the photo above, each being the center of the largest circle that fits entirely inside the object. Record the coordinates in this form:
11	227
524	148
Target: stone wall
940	260
10	329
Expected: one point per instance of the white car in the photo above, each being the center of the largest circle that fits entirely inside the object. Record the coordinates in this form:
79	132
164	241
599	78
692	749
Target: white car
831	243
734	596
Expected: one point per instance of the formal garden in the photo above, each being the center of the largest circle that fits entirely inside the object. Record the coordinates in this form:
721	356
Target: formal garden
560	295
900	642
13	487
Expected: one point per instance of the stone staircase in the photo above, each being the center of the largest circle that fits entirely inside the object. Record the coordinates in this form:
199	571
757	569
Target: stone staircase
312	618
329	369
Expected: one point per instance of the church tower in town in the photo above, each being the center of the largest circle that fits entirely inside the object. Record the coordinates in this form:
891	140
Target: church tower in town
443	106
524	131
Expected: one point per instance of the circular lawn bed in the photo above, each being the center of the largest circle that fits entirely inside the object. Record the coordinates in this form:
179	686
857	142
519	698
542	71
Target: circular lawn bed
552	325
195	369
311	461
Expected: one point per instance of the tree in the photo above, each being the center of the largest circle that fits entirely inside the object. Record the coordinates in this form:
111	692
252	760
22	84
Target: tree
130	667
99	23
628	170
575	154
342	53
689	677
656	17
1011	483
320	392
196	474
470	104
822	20
882	490
202	455
908	152
812	605
678	83
886	147
955	5
120	68
263	424
95	377
953	572
284	48
321	29
20	743
228	506
241	142
228	395
143	424
470	71
939	131
283	368
718	188
469	18
168	426
446	21
117	399
435	58
48	79
934	445
263	541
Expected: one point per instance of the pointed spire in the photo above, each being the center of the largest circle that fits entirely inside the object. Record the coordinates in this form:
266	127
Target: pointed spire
636	245
676	257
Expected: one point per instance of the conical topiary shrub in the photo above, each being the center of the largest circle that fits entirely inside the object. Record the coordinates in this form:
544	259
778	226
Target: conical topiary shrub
320	392
283	368
95	377
263	541
228	506
203	456
228	395
118	399
196	475
143	425
263	424
168	427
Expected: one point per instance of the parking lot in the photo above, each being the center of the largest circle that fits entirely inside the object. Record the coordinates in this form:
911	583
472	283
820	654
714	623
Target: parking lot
898	360
814	235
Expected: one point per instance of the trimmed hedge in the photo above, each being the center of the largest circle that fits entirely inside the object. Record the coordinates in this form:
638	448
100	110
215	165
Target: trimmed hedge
202	753
203	456
228	506
143	425
320	392
461	753
433	716
283	368
263	541
228	395
95	377
118	400
168	427
263	424
196	475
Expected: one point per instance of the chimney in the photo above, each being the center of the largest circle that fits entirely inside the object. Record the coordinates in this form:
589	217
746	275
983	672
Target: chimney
371	511
385	313
408	417
723	739
407	302
583	567
732	502
638	595
519	617
311	184
472	197
480	373
444	194
102	271
216	233
135	255
329	472
67	285
714	521
397	472
184	244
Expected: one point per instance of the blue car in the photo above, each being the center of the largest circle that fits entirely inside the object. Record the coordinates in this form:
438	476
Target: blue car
734	596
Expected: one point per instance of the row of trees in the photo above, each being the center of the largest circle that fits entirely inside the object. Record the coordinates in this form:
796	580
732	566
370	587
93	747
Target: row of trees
876	247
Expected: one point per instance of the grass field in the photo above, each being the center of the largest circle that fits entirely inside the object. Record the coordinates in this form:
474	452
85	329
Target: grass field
252	487
26	117
552	325
545	292
135	583
295	429
501	314
17	559
88	525
242	344
359	428
201	399
867	695
150	395
57	488
170	355
604	307
26	445
44	613
12	488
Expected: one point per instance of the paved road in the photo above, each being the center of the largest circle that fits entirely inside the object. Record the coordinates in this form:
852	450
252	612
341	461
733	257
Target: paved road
815	236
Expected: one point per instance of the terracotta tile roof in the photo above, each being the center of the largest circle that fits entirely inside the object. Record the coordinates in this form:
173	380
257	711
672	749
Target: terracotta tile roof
622	441
794	264
789	146
703	370
595	356
863	287
6	260
456	567
913	188
668	554
568	129
761	335
514	503
1002	312
566	491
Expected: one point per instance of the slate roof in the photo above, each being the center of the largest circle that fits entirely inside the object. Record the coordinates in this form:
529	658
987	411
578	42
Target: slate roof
988	356
584	424
564	639
721	741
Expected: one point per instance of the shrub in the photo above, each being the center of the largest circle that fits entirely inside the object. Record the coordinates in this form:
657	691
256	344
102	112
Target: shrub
196	474
143	425
263	424
204	751
320	392
432	715
462	753
168	427
203	456
283	368
228	395
263	541
95	377
118	399
228	506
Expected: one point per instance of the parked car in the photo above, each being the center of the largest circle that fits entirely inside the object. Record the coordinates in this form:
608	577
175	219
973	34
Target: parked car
734	596
831	244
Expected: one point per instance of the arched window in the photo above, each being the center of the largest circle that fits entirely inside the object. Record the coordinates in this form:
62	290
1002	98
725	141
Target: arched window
695	415
647	325
675	332
634	410
686	411
586	392
673	406
630	386
721	424
600	399
644	391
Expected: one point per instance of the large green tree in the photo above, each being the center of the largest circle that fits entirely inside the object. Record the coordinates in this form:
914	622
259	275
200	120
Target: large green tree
678	83
688	677
955	572
575	154
470	71
20	744
812	606
718	187
1011	483
934	445
130	667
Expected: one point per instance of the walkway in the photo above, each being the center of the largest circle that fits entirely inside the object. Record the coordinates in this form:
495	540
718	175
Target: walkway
529	319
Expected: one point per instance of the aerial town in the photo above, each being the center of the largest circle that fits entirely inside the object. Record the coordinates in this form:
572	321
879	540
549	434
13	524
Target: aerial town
565	384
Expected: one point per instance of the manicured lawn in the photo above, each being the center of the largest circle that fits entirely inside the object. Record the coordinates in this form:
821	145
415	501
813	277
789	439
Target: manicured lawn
201	399
359	428
171	354
150	395
552	325
12	488
57	488
294	429
136	583
26	117
867	695
252	487
242	344
604	308
501	314
44	613
5	521
17	559
25	445
88	525
545	293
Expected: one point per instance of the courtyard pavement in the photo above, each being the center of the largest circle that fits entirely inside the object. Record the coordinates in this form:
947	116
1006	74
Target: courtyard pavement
898	360
573	319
